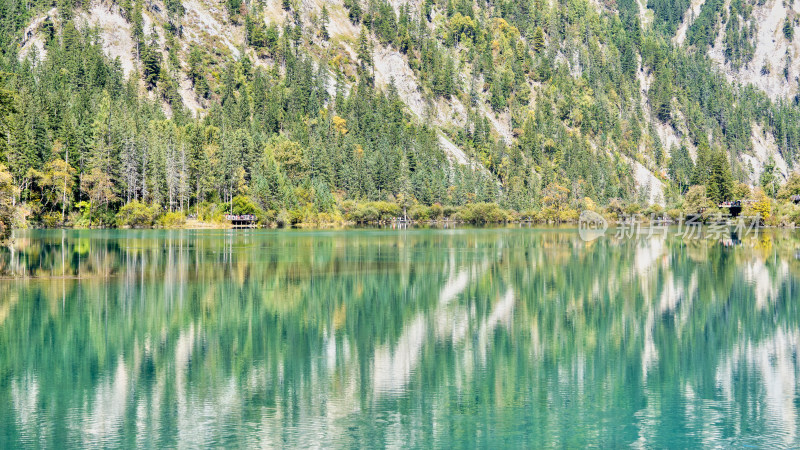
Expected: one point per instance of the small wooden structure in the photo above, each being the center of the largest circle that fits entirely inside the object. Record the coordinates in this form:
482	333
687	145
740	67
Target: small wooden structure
735	207
242	221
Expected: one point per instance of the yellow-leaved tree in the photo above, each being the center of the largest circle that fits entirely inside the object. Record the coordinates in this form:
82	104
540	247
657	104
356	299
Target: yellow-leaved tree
761	206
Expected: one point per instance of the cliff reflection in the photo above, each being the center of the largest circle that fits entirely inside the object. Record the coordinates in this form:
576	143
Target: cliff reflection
414	338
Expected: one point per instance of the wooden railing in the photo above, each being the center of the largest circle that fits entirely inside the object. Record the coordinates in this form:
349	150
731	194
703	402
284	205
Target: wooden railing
242	218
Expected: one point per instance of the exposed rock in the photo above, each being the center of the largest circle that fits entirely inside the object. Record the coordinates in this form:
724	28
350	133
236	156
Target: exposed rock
764	148
32	39
771	50
453	152
115	32
646	180
501	123
391	65
201	22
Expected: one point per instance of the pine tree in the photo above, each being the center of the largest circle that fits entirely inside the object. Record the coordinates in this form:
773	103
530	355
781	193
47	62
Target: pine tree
151	61
195	71
719	186
8	194
364	49
7	110
788	29
324	23
768	180
538	40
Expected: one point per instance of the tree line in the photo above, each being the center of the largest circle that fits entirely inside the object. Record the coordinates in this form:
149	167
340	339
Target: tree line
308	139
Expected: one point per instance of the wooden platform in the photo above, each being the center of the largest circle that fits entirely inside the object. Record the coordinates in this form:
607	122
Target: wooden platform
243	221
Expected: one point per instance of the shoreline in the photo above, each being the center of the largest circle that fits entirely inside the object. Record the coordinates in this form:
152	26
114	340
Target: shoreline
195	225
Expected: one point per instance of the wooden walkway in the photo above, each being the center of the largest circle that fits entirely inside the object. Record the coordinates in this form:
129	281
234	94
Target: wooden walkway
243	221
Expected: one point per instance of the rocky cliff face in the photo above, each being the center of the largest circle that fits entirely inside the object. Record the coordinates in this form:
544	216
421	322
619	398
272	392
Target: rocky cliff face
774	66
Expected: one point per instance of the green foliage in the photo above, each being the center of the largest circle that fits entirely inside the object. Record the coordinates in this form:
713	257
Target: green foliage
195	71
482	213
768	179
705	27
386	210
233	6
151	63
788	29
681	168
668	13
324	19
538	40
244	205
172	220
792	187
696	201
740	34
550	95
364	214
719	185
7	208
354	10
262	37
137	215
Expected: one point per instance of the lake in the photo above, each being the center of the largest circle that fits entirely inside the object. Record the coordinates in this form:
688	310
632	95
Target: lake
402	338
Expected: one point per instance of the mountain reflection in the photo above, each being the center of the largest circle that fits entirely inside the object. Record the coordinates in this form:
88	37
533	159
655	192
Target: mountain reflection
412	338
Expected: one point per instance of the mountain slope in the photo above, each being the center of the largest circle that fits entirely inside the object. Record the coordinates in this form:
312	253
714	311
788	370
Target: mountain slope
534	105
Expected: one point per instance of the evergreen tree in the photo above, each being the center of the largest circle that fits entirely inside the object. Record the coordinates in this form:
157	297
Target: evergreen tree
538	40
719	185
8	194
324	23
768	180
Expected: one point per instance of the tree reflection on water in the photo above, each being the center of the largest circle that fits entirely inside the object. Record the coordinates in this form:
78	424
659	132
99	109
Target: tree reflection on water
413	338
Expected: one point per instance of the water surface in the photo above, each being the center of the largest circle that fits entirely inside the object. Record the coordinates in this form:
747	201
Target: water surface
416	338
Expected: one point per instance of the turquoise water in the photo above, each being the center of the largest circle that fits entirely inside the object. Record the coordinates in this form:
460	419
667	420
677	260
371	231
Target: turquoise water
421	338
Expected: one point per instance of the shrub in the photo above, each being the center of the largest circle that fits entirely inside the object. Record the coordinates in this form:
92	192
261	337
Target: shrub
436	212
364	214
82	219
347	207
136	215
269	217
477	213
51	220
449	212
632	209
674	214
172	220
387	210
587	204
794	215
283	219
243	205
786	214
299	215
615	209
696	200
549	214
211	212
419	213
761	206
530	215
568	215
